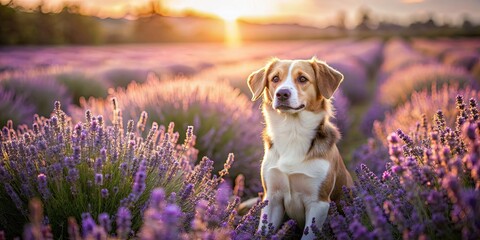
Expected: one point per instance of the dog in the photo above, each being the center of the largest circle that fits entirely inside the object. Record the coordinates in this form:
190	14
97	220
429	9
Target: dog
302	170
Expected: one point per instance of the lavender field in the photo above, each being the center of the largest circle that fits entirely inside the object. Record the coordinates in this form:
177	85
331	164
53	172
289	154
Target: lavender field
161	141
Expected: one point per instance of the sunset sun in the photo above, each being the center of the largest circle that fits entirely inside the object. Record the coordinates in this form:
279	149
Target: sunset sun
229	14
226	12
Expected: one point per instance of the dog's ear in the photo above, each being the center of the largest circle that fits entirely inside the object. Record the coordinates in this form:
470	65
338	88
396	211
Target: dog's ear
257	81
328	79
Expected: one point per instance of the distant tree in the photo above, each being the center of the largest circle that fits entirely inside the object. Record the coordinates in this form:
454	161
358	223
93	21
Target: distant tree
8	21
47	27
467	23
364	22
430	23
77	28
21	27
153	28
24	27
341	15
425	21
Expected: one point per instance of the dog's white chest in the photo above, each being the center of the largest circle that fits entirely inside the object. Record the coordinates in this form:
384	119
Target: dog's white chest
297	182
287	171
314	168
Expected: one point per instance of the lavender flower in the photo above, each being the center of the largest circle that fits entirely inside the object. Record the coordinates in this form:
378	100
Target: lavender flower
341	107
287	228
14	107
99	179
88	225
42	186
197	103
140	176
170	219
61	156
104	193
187	191
426	103
124	223
354	88
105	222
399	55
157	198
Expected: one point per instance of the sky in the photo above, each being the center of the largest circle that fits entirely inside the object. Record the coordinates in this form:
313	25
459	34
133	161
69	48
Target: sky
309	12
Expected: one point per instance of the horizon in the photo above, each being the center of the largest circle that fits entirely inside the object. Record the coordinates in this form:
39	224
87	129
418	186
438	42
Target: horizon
313	13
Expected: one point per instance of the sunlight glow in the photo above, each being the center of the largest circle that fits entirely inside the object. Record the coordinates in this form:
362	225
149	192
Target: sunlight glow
232	35
318	13
227	10
228	15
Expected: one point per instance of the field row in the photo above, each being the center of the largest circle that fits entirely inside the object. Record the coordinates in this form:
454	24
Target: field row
146	158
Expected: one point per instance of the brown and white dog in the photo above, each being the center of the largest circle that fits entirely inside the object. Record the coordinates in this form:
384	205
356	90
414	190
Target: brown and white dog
302	170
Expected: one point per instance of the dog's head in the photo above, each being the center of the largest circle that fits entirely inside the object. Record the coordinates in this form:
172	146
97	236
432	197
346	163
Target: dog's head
291	86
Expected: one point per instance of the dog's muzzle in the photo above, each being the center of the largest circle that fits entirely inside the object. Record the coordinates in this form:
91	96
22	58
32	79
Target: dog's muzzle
284	99
283	95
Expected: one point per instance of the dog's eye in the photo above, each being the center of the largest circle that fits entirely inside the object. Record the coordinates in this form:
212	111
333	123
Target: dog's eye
275	79
302	79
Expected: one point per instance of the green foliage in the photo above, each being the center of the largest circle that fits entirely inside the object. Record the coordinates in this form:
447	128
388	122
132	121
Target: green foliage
8	29
121	77
38	27
79	85
39	91
14	107
476	72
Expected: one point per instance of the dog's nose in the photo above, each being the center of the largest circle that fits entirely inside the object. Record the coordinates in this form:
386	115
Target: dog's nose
283	94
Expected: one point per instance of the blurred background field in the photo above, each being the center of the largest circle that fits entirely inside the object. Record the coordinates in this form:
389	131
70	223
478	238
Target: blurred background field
156	62
379	75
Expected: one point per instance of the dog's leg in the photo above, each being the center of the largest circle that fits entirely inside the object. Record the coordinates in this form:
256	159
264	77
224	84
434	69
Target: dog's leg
319	211
274	211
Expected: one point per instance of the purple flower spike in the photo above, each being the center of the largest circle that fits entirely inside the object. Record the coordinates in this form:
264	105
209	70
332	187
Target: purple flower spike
187	191
124	222
157	197
42	185
103	155
171	214
104	192
15	198
223	195
358	231
124	168
471	131
171	217
73	175
99	179
451	184
98	233
88	224
105	221
140	176
98	165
